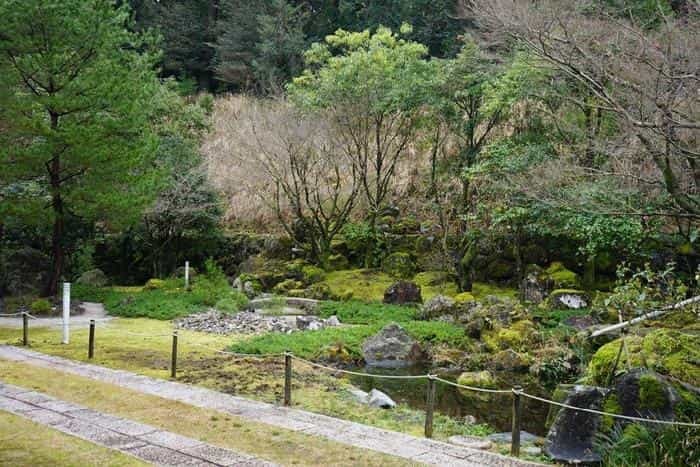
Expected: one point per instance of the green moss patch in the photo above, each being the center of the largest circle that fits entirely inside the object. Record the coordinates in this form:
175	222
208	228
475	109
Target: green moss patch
360	284
562	277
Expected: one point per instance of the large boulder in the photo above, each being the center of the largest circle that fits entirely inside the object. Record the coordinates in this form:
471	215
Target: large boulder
93	278
402	293
509	360
392	347
643	393
377	398
570	438
437	306
479	379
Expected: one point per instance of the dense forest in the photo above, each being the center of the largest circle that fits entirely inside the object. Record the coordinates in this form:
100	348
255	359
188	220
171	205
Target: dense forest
329	148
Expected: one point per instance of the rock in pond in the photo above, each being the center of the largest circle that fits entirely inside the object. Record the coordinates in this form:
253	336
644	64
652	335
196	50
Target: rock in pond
571	436
402	293
380	400
392	347
374	398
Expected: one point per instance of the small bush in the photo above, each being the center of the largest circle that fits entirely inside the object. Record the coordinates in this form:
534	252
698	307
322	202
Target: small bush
40	306
232	304
638	444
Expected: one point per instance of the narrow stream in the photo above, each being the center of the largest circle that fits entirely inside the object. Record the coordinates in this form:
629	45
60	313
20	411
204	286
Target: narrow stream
492	409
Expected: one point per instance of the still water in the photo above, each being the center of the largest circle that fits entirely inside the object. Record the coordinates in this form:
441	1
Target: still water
492	409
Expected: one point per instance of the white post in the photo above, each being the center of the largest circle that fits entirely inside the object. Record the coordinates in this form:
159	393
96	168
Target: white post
66	312
187	274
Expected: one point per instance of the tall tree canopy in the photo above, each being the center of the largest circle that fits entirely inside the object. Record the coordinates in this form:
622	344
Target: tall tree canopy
78	89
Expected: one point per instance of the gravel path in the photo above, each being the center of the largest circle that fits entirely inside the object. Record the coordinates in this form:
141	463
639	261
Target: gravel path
389	442
145	442
92	311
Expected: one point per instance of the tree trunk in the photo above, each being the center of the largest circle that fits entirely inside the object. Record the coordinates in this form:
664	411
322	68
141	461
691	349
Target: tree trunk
54	170
58	228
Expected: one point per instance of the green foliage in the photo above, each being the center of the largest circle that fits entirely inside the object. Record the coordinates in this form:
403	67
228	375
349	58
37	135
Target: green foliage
170	300
399	265
636	444
40	306
154	284
563	278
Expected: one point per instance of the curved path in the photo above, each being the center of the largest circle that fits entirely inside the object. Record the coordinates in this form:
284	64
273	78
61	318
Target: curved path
416	449
92	311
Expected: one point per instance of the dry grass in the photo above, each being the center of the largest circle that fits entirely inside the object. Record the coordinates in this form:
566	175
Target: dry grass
23	442
268	442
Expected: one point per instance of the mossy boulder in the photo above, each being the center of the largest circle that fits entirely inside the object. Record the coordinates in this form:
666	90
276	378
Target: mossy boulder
509	360
644	393
403	293
405	226
284	287
666	351
437	306
519	336
154	284
311	274
93	278
360	284
479	379
464	297
562	277
399	265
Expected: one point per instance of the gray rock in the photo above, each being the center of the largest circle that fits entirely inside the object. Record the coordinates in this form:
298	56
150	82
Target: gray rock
571	436
437	306
661	396
380	400
359	395
535	287
309	323
245	322
531	450
392	347
473	442
333	321
249	289
402	293
569	299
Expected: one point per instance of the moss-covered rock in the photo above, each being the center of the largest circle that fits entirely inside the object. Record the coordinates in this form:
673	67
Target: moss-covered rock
405	226
154	284
509	360
284	287
562	277
666	351
399	265
479	379
520	336
311	274
464	297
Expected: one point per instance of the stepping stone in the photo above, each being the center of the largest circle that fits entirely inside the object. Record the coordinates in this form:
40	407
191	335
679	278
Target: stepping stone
473	442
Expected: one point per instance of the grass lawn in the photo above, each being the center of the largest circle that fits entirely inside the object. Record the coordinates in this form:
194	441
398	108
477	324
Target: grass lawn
261	379
272	443
23	442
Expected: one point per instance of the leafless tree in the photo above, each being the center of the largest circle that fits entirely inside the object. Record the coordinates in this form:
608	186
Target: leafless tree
312	185
645	76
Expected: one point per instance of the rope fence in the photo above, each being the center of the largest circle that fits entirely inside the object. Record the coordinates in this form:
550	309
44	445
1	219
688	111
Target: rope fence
516	392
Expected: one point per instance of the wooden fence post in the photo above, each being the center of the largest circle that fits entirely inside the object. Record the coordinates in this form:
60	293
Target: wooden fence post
287	379
517	411
430	407
173	361
91	340
25	329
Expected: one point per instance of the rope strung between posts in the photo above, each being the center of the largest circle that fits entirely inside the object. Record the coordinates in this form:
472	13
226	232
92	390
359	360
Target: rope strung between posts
9	315
614	415
236	354
474	388
356	373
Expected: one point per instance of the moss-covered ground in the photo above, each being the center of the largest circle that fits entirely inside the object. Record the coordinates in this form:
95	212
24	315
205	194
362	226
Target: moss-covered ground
25	443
